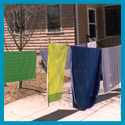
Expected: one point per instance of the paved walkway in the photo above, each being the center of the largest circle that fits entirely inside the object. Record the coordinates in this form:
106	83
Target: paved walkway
34	108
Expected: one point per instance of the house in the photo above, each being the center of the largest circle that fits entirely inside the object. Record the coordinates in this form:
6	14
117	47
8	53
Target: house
100	21
74	23
54	22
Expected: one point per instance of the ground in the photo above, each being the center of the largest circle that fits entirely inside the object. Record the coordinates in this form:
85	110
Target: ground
29	87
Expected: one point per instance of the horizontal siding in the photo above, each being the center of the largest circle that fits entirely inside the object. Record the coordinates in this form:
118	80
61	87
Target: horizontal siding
40	38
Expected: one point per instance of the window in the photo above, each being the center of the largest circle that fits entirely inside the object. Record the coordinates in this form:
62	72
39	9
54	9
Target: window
113	20
18	19
92	23
53	18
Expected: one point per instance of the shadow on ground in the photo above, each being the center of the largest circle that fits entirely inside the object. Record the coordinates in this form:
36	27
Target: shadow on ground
106	96
118	90
32	89
54	116
59	114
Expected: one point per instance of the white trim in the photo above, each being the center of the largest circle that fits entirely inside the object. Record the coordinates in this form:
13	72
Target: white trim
60	21
104	21
77	25
14	22
60	17
88	8
46	17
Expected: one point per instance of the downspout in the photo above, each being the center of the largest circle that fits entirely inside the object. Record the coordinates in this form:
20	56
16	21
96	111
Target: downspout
76	24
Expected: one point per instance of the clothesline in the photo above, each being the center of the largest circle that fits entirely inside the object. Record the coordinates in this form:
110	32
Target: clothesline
85	73
84	64
113	54
97	41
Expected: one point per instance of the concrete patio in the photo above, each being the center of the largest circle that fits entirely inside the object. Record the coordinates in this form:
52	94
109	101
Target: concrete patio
34	107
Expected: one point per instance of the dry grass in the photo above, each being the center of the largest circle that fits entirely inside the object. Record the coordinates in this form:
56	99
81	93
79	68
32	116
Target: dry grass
29	87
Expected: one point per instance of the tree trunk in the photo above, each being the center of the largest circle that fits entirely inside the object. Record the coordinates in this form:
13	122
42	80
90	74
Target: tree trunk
20	82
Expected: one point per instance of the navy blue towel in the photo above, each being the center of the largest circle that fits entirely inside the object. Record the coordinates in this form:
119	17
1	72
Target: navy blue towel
85	76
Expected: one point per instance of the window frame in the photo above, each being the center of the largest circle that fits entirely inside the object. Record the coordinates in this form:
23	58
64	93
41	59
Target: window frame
48	32
18	33
92	8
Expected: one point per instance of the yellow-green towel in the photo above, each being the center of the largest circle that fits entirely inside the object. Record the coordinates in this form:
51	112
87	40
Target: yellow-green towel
55	72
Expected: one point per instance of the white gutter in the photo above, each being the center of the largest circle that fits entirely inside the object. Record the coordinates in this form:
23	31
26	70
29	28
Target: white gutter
77	26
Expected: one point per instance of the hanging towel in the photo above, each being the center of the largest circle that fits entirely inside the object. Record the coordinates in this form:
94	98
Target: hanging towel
85	76
55	71
92	44
111	67
82	45
44	55
68	56
19	66
68	59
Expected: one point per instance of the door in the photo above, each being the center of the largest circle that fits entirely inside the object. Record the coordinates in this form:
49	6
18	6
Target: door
92	24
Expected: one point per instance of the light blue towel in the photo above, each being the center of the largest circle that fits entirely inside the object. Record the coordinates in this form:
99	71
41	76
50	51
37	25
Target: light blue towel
44	55
111	67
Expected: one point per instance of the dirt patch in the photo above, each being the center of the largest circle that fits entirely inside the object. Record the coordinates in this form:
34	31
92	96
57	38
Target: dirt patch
29	87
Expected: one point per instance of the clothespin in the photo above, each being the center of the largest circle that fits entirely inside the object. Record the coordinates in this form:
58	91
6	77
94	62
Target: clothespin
67	43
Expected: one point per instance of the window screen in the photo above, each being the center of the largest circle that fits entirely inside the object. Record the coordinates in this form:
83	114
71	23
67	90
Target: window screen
18	19
53	18
91	16
113	20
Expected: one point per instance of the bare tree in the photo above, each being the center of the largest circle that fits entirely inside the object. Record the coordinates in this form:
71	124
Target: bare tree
18	16
23	19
